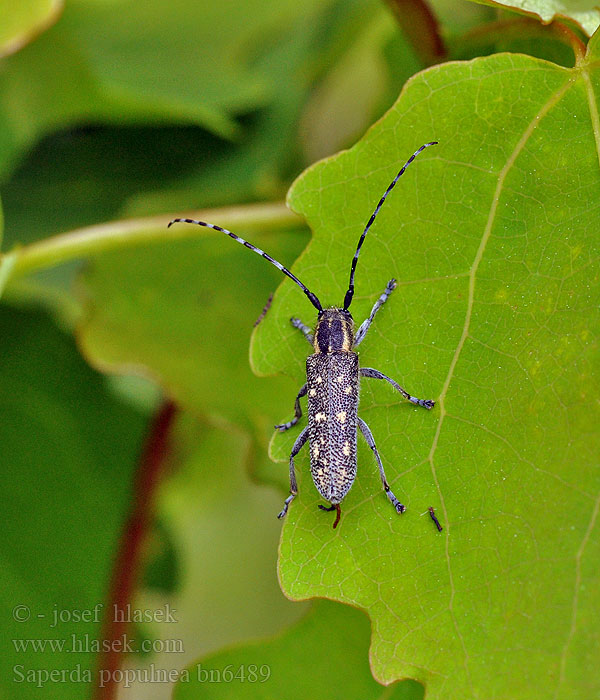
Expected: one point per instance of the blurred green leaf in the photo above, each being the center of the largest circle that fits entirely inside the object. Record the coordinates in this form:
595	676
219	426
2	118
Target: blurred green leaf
68	451
161	572
324	654
457	18
121	61
182	312
22	21
224	533
492	238
351	94
185	310
303	66
87	175
586	14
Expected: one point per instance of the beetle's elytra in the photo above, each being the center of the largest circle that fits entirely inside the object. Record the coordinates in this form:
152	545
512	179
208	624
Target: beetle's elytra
332	383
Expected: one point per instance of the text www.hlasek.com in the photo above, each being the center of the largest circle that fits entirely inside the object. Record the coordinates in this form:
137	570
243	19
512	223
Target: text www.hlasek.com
87	644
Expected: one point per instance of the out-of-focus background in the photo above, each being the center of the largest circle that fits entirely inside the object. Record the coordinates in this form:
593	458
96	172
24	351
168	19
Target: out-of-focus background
135	472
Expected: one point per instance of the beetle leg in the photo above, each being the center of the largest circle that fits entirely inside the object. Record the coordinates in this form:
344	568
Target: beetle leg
375	374
364	429
364	326
300	440
297	411
263	313
333	507
303	328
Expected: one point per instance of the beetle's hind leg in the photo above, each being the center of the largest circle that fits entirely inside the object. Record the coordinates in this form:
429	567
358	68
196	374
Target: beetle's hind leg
333	507
297	412
303	328
300	440
364	429
376	374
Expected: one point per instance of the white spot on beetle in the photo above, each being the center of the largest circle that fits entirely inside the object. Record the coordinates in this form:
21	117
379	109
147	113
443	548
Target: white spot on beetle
346	448
320	417
315	451
340	378
341	416
348	390
312	392
319	380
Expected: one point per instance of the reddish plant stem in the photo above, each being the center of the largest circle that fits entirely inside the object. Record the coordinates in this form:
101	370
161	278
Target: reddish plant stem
522	28
565	33
128	557
421	29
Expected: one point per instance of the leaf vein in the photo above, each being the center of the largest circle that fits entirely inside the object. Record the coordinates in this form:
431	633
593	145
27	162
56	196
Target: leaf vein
548	105
576	587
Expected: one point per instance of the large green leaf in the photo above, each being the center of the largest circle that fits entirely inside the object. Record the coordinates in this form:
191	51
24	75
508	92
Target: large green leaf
323	655
492	236
68	450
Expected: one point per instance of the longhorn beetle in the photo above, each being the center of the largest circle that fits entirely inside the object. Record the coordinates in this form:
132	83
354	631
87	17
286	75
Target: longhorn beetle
332	383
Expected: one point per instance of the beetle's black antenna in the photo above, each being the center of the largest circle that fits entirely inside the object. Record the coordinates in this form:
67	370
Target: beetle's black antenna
314	300
350	292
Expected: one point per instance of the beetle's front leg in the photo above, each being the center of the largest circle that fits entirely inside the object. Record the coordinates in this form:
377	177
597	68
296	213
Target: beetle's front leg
364	326
297	412
301	439
303	328
375	374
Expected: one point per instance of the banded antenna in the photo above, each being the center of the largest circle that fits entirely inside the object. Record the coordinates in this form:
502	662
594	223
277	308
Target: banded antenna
314	300
350	292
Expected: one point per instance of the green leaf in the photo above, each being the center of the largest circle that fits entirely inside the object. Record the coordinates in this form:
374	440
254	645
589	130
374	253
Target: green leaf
220	521
325	653
22	21
357	87
185	310
492	236
68	451
104	62
182	312
88	176
585	14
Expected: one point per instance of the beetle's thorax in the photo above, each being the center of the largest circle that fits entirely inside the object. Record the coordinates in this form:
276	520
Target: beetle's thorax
334	331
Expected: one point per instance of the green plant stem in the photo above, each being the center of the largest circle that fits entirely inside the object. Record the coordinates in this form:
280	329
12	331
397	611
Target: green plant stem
7	264
91	240
566	34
